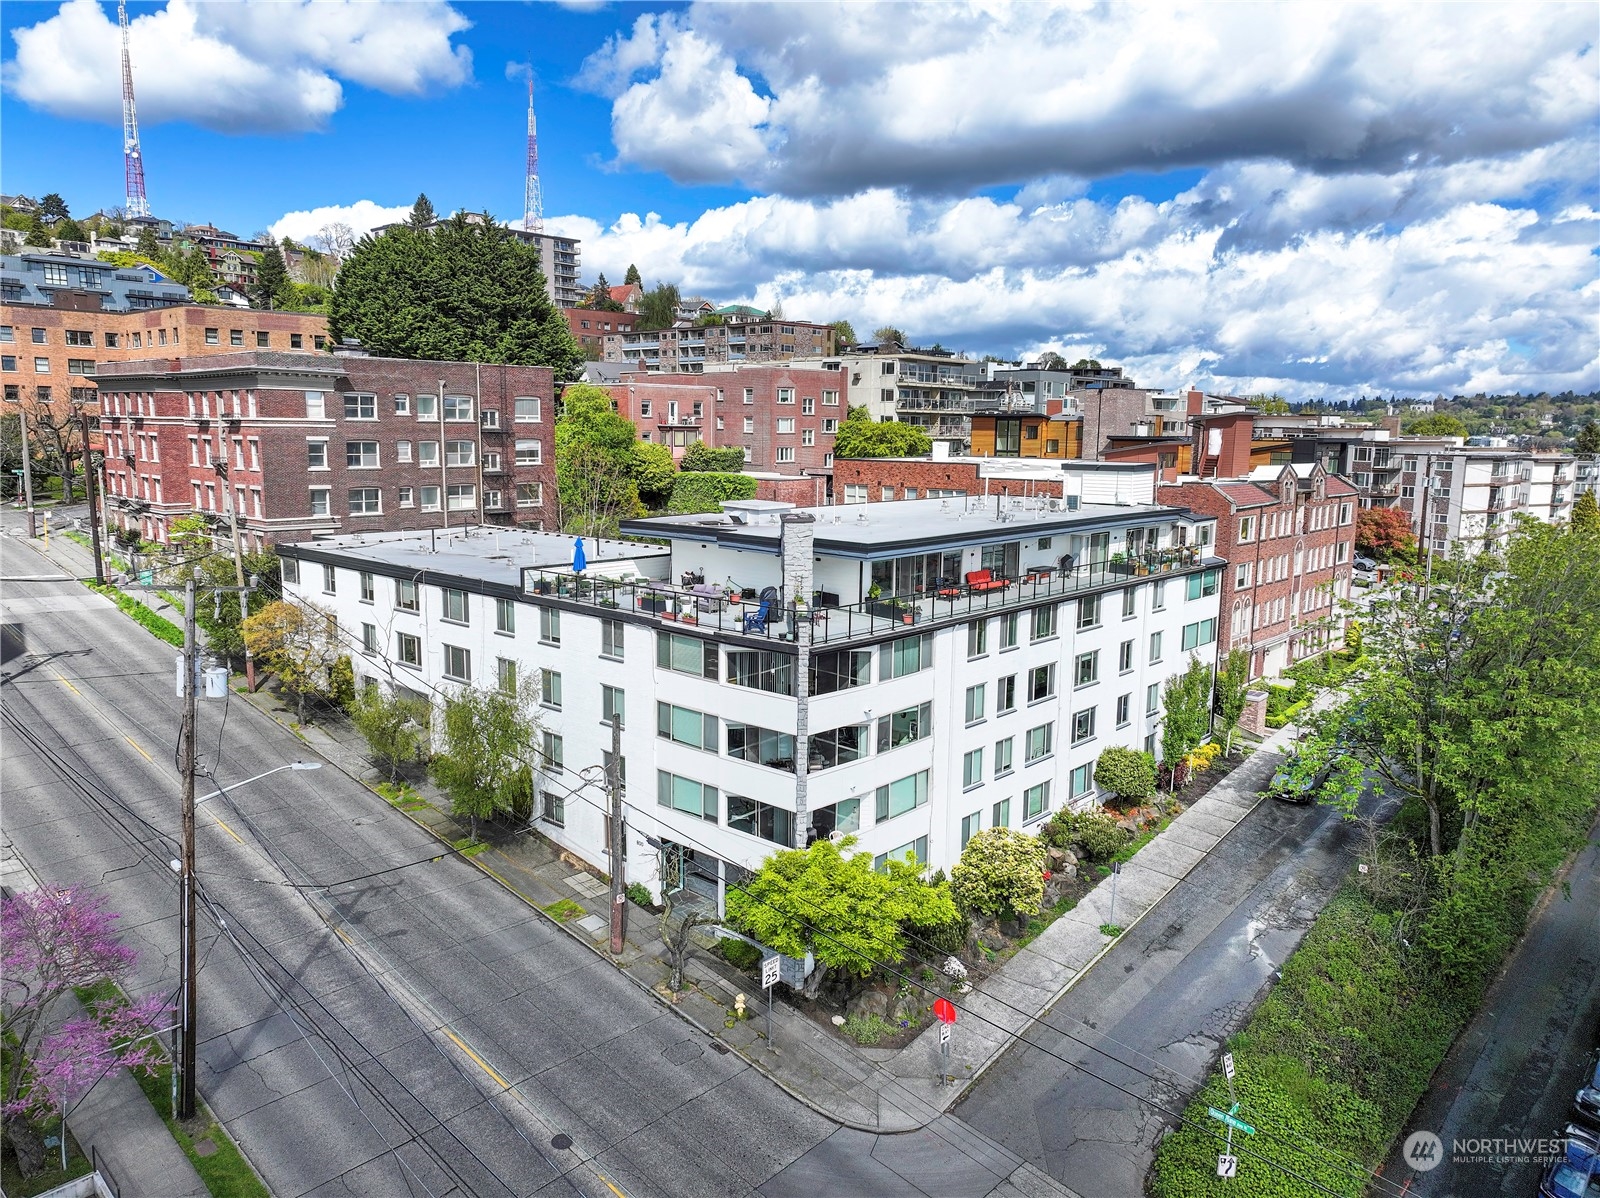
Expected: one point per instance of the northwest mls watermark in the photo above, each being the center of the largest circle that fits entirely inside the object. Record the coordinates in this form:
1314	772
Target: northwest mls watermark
1425	1151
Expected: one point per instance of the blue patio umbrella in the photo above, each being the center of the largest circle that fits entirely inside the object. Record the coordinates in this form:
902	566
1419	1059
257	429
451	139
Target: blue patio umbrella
579	561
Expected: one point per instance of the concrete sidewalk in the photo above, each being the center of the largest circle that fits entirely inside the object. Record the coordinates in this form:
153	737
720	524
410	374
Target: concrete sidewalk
114	1119
874	1090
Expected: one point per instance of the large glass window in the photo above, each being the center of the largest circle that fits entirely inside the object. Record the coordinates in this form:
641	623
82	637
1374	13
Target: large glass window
550	625
763	746
455	604
840	669
686	795
686	655
977	638
1008	630
1204	583
457	663
361	455
550	689
360	407
1035	801
915	852
405	594
1082	726
902	796
1042	680
611	638
842	817
903	727
905	656
1203	633
761	670
1038	742
1088	668
686	727
1089	611
837	746
761	819
1082	780
1044	622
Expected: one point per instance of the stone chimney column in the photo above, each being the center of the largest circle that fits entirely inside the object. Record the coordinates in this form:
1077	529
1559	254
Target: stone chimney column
797	540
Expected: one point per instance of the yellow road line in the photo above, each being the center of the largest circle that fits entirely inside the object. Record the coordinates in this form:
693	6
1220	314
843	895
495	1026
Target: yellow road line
230	831
611	1187
140	749
64	682
343	935
479	1061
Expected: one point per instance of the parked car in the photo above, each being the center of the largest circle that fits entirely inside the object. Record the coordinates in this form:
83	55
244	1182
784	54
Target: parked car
1573	1175
1289	786
1586	1102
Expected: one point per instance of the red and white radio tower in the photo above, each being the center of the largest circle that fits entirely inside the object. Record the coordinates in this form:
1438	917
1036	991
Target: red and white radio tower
532	199
132	160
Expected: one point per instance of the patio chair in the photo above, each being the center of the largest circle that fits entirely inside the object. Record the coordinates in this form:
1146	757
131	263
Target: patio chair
756	621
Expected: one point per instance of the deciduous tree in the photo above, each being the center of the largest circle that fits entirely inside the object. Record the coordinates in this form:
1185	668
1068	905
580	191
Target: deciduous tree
1436	424
701	456
56	940
488	752
394	725
658	309
1384	533
844	332
653	472
300	643
833	903
860	436
1185	713
888	332
595	458
1232	691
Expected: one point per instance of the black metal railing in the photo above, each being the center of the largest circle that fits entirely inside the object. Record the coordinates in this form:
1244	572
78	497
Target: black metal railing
710	607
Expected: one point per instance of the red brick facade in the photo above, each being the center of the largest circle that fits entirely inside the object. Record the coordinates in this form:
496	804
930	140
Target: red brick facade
783	417
896	478
590	326
318	443
1289	541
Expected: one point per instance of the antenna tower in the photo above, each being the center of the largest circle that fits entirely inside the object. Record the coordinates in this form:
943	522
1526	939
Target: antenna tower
132	159
532	199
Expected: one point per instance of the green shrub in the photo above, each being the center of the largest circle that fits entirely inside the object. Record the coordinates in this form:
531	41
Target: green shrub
947	938
740	954
1127	773
158	626
867	1030
1093	835
706	492
640	895
1001	873
701	458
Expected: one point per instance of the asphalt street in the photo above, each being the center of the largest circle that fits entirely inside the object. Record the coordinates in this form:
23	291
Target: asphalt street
1152	1016
1512	1073
376	1017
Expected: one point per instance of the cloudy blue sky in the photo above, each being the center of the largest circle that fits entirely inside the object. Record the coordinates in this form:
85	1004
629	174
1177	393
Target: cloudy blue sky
1323	201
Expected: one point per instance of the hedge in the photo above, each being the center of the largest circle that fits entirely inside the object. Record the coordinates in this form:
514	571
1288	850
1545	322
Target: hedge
1336	1056
706	491
701	458
158	626
1286	714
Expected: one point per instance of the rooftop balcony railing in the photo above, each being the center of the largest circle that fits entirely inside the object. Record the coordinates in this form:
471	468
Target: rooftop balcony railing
709	608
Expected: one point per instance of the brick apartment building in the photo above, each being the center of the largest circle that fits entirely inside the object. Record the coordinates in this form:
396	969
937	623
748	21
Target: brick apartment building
688	349
1288	535
302	443
65	317
590	326
784	417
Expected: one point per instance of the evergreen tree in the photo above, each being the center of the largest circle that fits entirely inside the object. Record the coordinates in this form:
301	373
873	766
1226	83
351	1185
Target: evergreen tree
39	233
70	230
1586	514
147	245
53	207
467	291
1589	438
272	289
633	276
422	214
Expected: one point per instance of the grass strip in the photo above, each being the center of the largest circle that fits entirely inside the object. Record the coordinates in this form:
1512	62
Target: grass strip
158	626
225	1171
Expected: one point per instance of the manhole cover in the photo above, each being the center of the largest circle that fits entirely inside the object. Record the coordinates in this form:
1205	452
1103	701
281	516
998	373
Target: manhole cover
682	1052
561	1140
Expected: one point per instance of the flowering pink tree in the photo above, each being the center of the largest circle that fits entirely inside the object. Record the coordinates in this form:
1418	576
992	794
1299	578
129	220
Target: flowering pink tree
53	941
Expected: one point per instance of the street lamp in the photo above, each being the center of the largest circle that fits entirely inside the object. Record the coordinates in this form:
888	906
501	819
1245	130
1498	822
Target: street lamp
293	765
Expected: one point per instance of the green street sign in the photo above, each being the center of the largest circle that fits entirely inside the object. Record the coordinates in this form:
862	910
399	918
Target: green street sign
1236	1124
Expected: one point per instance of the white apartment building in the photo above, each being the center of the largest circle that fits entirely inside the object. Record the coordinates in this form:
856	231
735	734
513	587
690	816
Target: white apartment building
878	690
936	392
1473	495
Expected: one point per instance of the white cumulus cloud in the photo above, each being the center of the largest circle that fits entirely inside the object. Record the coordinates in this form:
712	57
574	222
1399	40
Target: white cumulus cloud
256	66
948	97
362	216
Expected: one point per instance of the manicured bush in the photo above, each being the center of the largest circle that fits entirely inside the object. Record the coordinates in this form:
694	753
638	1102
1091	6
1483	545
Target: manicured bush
707	491
740	954
1127	773
1093	835
700	457
156	625
1001	873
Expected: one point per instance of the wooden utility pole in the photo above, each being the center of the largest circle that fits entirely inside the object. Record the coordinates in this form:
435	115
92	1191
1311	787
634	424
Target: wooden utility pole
27	472
619	891
221	468
90	485
188	1062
